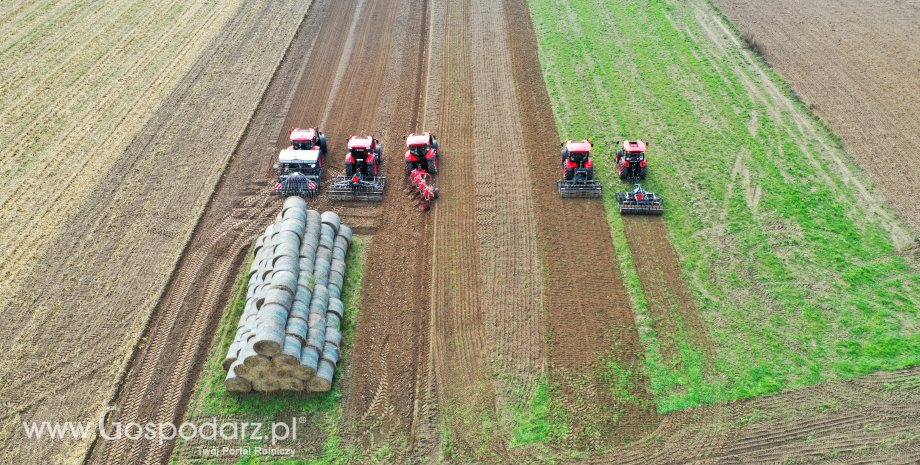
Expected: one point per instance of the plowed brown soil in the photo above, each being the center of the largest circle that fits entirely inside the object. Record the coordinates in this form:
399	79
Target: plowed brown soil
856	65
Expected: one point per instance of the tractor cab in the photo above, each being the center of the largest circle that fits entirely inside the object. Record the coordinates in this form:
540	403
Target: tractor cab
363	156
304	139
578	170
577	154
631	162
423	152
360	147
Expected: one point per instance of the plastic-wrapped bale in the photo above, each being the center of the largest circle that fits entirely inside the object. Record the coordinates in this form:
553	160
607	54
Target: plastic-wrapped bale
298	329
333	336
291	384
290	355
309	361
294	202
326	241
333	321
335	290
269	340
345	232
306	280
265	385
294	225
299	310
320	298
280	296
332	219
306	263
336	306
234	383
322	382
316	335
331	353
337	272
254	360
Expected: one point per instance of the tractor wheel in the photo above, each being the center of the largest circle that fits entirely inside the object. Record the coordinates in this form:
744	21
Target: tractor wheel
569	174
590	174
564	154
349	169
643	172
322	144
623	172
408	168
433	166
437	192
372	168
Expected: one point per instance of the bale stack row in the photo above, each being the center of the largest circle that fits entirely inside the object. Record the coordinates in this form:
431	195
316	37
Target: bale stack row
289	334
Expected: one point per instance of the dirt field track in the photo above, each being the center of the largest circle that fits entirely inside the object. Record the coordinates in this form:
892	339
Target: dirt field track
466	311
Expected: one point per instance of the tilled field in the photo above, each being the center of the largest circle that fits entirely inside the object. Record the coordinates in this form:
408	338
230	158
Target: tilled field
466	311
856	65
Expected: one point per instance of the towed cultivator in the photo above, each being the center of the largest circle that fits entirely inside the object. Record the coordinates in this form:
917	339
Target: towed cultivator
362	167
632	165
578	171
423	192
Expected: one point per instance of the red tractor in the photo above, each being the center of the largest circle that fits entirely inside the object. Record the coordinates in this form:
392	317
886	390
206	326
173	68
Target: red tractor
423	152
578	171
631	162
300	166
632	165
363	156
362	179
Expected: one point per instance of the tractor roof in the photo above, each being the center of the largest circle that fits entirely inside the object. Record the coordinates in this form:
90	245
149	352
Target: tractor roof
358	142
634	146
298	156
578	146
418	139
298	134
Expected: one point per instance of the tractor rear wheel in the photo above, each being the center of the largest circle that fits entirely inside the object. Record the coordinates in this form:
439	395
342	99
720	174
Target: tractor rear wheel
322	144
433	166
643	172
408	168
623	172
349	169
569	174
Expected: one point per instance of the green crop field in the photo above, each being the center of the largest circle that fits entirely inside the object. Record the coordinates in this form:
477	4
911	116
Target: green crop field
796	272
323	410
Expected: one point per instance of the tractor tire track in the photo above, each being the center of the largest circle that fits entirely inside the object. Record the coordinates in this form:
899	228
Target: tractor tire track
587	313
858	420
675	314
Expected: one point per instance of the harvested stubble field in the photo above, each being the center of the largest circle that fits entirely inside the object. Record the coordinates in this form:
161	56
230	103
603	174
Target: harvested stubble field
118	121
505	325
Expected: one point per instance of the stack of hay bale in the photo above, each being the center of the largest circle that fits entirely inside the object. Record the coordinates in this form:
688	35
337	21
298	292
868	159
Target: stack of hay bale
289	334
